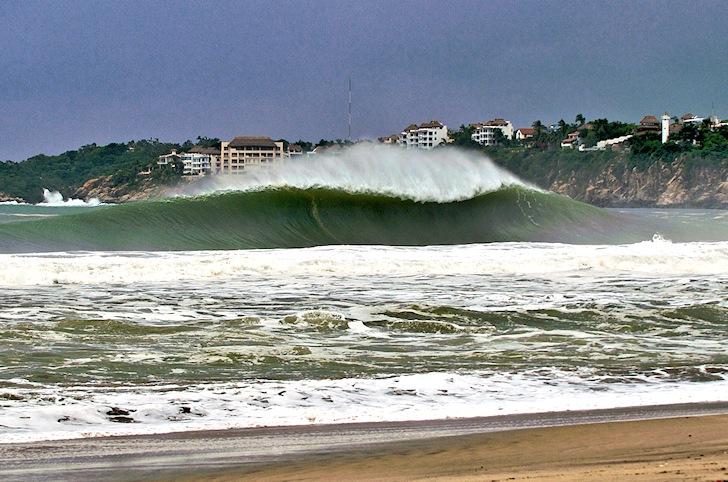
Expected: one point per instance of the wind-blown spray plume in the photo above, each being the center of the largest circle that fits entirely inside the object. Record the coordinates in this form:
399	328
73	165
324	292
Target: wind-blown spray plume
436	176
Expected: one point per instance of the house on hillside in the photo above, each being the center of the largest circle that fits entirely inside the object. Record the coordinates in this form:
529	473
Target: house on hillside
691	119
198	161
245	152
648	125
424	136
166	159
616	144
571	141
485	134
524	133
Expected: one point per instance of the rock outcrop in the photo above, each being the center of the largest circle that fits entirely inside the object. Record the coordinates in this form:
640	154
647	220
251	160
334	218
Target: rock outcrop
106	190
661	185
4	198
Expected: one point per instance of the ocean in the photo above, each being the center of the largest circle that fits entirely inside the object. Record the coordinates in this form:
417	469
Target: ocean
378	285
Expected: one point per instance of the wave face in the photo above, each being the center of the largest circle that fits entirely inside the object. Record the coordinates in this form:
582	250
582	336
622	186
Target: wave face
290	217
370	195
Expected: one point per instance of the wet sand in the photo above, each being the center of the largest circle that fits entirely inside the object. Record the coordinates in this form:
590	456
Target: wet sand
686	442
693	448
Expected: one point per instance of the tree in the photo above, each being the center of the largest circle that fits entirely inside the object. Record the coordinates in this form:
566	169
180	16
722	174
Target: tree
538	127
498	137
305	146
563	127
463	138
580	120
67	172
208	142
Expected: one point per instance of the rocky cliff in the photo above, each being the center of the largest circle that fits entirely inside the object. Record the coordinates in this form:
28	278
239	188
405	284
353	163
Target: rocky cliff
4	198
675	184
105	189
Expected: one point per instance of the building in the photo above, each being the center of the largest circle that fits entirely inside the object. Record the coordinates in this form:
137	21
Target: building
665	127
166	159
247	152
294	150
618	144
691	119
648	125
719	124
393	139
329	150
485	134
571	141
198	161
524	133
424	136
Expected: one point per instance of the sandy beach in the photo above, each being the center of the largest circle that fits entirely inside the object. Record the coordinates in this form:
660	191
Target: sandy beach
686	442
692	448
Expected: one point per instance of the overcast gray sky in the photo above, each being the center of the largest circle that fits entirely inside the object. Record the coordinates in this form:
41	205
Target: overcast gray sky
77	72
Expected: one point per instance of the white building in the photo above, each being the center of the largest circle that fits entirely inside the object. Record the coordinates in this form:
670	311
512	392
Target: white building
525	133
198	161
665	127
485	133
245	152
613	144
571	141
166	159
424	136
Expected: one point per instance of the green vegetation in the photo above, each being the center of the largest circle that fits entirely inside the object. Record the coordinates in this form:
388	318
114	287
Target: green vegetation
67	172
542	159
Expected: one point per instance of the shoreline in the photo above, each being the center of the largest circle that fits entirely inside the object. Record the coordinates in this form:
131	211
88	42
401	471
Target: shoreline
283	452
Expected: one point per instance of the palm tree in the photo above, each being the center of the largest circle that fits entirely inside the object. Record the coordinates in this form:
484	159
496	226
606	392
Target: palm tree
580	120
562	127
538	127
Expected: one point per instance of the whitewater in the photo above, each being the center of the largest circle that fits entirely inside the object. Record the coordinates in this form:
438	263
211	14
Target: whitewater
380	285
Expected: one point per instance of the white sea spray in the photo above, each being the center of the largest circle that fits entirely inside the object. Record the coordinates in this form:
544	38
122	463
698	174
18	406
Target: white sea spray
441	176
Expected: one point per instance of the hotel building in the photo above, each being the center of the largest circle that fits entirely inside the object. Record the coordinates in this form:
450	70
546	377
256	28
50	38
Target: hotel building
246	152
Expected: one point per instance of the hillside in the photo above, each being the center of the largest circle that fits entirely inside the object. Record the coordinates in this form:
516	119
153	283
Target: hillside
68	172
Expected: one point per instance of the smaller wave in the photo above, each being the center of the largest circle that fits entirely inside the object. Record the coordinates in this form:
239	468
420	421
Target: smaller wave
56	199
502	259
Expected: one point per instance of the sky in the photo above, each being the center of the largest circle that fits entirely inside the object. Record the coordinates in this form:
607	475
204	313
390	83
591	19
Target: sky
74	73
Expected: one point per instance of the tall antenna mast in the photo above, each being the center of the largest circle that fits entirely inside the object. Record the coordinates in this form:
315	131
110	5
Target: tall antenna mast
349	108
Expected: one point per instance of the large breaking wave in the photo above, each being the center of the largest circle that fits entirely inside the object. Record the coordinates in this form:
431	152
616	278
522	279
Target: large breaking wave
368	195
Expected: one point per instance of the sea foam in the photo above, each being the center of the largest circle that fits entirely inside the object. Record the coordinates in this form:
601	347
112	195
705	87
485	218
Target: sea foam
656	257
56	199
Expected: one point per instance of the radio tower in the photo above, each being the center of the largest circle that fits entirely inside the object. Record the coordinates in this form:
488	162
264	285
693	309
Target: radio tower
349	108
